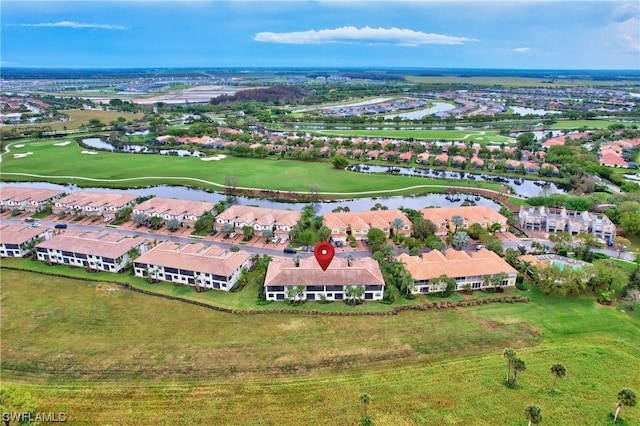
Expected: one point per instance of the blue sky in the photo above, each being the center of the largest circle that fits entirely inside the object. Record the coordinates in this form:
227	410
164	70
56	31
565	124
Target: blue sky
537	34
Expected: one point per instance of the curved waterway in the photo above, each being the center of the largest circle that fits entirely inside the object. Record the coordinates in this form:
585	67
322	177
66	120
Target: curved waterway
359	204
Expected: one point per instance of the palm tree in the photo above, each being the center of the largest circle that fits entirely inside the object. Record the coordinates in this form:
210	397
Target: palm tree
495	227
510	355
296	259
558	372
358	292
458	221
626	397
518	366
349	258
460	239
365	398
533	414
397	224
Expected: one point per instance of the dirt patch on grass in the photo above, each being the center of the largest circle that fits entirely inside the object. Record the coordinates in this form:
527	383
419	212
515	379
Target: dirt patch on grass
108	287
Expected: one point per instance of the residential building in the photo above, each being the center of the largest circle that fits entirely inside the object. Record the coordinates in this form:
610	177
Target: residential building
551	219
465	267
193	264
442	217
18	240
358	224
28	199
318	284
87	203
101	251
278	221
185	211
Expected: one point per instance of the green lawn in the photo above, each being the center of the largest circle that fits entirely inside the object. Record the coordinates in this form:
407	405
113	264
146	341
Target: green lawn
589	124
107	356
60	163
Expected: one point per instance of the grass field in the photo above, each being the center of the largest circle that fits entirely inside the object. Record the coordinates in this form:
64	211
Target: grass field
513	81
79	117
108	356
61	163
589	124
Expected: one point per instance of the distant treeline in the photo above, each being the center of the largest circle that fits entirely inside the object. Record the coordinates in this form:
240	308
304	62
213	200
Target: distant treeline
281	93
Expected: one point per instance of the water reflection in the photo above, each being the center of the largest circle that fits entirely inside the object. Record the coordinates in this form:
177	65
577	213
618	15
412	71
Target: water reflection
359	204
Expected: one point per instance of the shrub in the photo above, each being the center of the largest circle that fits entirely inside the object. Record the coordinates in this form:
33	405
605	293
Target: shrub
234	248
352	244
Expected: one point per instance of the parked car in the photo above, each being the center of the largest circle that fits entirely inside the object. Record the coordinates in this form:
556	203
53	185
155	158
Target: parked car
312	249
305	248
36	225
275	240
479	247
107	219
233	234
29	220
60	226
338	243
289	250
284	240
214	232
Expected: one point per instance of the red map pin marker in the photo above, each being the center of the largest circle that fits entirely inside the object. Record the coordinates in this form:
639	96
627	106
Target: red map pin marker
324	254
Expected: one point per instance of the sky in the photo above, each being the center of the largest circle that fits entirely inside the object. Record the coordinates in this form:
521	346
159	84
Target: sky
537	34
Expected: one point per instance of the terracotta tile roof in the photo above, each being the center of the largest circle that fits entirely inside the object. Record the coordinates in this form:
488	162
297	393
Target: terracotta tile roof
105	244
363	220
472	214
455	264
18	233
18	194
195	257
96	199
261	215
610	158
174	207
283	272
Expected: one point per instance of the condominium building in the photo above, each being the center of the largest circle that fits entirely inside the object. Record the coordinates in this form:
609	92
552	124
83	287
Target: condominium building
87	203
465	267
193	264
443	218
278	221
358	224
331	284
28	199
18	240
101	251
550	219
185	211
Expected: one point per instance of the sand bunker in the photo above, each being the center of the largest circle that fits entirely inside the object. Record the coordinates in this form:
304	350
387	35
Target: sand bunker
214	158
62	143
20	146
22	155
89	152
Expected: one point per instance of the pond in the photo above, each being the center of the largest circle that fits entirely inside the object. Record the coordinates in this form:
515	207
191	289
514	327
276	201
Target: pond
522	187
361	204
98	143
418	114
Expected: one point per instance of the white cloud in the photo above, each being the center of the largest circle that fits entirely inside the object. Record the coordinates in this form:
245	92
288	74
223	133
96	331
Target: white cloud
71	24
522	49
366	35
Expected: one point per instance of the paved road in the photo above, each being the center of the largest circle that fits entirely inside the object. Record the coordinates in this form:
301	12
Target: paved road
279	251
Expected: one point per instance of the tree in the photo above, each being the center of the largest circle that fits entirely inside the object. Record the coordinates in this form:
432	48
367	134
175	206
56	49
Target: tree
314	191
423	228
460	239
458	221
267	233
139	219
324	233
626	398
518	367
365	398
630	222
173	224
349	258
134	253
231	184
533	413
339	161
620	244
14	401
156	222
377	239
205	223
558	372
227	229
296	259
509	354
397	224
247	232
